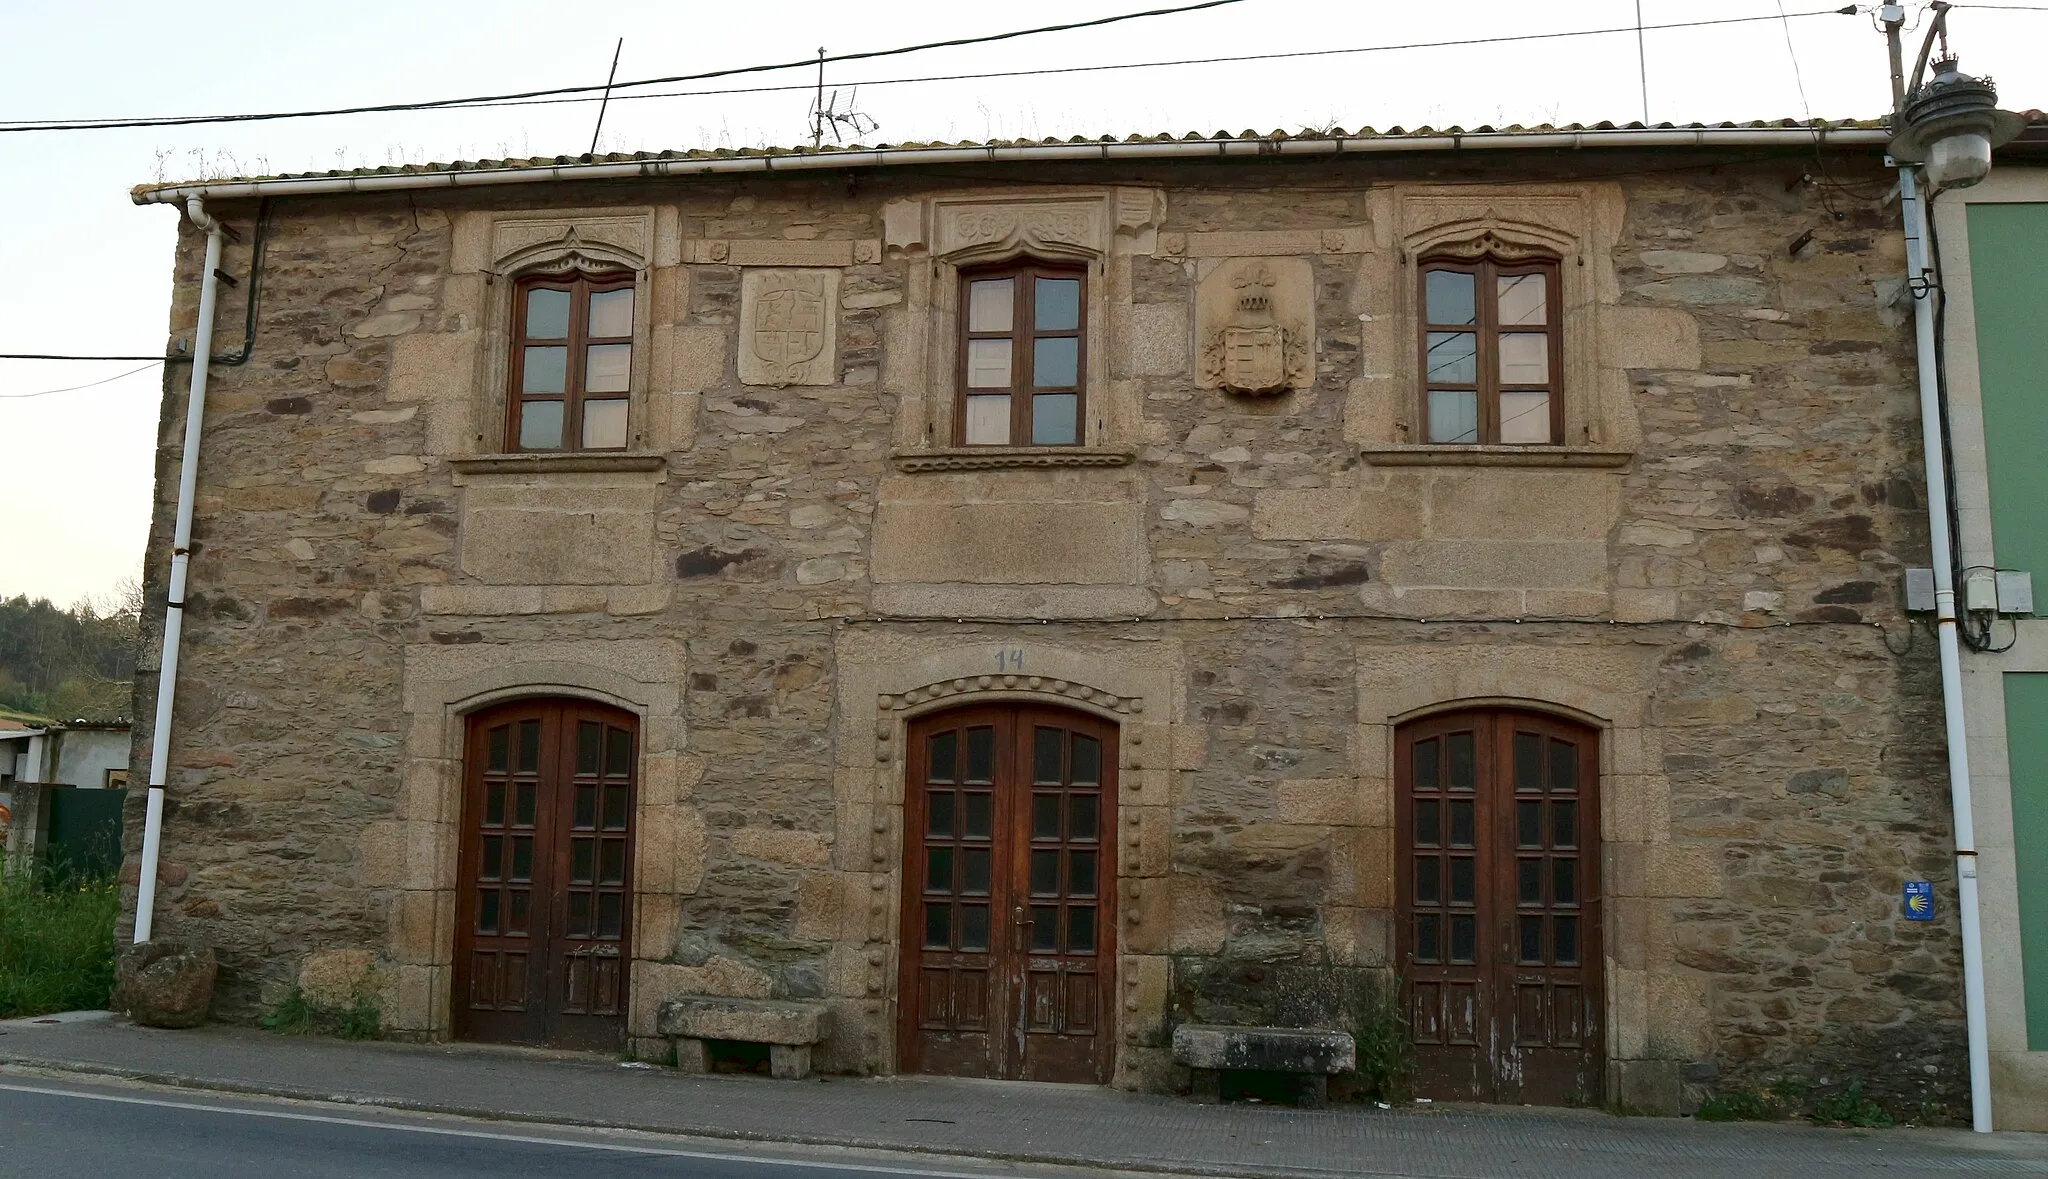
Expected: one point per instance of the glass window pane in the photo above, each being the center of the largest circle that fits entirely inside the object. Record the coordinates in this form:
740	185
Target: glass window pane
1528	882
547	315
607	368
522	857
980	816
1565	932
1045	755
1459	745
1564	766
611	862
529	746
938	814
991	305
1058	305
1081	817
1464	938
1428	885
1045	873
1429	822
494	805
1524	358
611	912
1453	358
1528	824
585	817
589	746
1045	816
618	758
1564	828
1045	927
523	804
546	370
938	927
579	914
1523	299
974	927
1525	417
487	911
974	871
604	425
1532	940
582	860
988	364
1564	881
499	746
1054	362
614	808
1081	929
1463	887
939	764
1052	419
611	313
988	420
1424	761
494	857
540	425
981	755
1453	416
938	869
1427	927
516	923
1081	874
1450	297
1528	761
1462	827
1087	759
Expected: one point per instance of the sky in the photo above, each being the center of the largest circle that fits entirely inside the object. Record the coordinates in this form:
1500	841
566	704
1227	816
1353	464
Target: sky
89	272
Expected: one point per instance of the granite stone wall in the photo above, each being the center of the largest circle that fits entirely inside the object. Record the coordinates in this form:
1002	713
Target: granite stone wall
1258	589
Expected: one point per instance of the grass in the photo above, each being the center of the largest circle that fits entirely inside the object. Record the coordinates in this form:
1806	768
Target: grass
56	943
297	1015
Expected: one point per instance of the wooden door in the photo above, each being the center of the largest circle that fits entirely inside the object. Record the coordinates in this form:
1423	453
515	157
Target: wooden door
1498	884
544	914
1009	886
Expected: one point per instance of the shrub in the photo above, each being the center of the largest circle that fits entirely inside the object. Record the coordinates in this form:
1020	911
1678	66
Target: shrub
1380	1028
1851	1108
56	942
297	1015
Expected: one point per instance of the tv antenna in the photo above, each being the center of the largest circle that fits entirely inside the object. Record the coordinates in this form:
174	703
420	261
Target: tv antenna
825	112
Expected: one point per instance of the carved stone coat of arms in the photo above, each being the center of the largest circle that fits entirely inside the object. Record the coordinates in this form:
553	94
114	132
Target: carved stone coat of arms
786	326
1253	327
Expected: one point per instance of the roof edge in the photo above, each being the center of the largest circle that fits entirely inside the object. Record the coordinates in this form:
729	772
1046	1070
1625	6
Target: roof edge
1187	149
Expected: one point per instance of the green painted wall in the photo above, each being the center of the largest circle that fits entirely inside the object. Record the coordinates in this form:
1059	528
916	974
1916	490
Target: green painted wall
2026	736
2009	285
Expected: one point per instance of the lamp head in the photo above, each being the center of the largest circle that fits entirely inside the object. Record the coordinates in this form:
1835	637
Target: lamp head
1951	123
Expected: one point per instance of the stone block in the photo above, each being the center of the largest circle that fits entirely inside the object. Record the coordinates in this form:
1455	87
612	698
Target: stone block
1326	801
754	1021
334	978
1014	543
381	852
1280	1050
692	848
600	537
1648	1086
782	846
1156	343
1311	513
789	327
1649	338
820	916
1685	870
1196	911
1516	564
433	366
165	984
699	360
1506	504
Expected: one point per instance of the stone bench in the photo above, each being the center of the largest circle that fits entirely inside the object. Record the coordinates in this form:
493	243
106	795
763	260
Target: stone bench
1210	1050
790	1029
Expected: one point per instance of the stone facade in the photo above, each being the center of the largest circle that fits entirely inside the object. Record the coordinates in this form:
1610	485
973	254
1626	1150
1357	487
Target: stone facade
791	562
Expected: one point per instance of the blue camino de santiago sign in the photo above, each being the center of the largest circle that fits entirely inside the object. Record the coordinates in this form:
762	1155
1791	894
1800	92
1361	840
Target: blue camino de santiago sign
1919	900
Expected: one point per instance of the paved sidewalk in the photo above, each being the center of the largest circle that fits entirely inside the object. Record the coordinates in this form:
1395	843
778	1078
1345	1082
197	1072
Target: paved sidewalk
1058	1124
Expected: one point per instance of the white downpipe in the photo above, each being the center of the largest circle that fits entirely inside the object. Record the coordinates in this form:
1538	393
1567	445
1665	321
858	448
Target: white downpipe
1919	276
181	544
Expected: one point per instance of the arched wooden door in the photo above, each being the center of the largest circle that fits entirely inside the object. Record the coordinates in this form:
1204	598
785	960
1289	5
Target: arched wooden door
1498	884
1009	895
544	915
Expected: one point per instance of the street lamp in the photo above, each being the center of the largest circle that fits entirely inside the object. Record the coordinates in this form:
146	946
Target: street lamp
1950	124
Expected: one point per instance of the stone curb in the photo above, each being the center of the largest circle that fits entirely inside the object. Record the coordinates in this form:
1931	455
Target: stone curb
717	1133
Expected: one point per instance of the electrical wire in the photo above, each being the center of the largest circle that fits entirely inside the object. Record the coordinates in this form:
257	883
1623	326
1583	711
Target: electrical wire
545	97
75	388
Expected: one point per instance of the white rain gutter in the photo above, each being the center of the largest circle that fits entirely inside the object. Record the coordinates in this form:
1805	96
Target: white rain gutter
181	556
1921	280
888	157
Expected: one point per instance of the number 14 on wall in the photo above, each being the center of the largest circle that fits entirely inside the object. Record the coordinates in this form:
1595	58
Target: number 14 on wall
1010	659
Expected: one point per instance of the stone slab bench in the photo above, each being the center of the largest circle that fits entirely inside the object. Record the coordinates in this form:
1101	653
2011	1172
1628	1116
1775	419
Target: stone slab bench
1210	1050
789	1028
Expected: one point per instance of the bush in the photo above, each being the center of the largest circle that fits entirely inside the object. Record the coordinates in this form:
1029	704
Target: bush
297	1015
56	943
1379	1026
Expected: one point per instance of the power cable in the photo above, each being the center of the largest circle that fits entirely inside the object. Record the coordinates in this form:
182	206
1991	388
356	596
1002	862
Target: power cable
75	388
182	120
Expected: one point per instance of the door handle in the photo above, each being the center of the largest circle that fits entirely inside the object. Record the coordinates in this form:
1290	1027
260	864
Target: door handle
1019	922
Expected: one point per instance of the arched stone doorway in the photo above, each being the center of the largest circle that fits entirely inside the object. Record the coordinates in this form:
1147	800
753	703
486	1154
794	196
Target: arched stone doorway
1009	893
1498	886
543	913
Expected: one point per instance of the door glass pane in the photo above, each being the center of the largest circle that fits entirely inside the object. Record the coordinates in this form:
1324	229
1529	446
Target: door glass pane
1524	299
988	420
1528	824
582	861
980	816
1464	938
611	914
604	424
546	369
1462	827
939	762
1449	297
1045	756
523	804
1564	827
1053	419
547	315
540	425
938	814
1462	887
487	911
608	368
589	747
1424	761
981	756
1564	766
1054	362
988	364
579	914
522	857
938	869
1081	874
1452	358
1428	929
1528	882
1564	933
585	813
615	808
611	862
1525	417
494	857
618	757
1081	817
1058	306
974	871
1045	927
1087	758
1528	761
974	927
611	313
938	926
529	746
515	920
1428	887
494	805
1045	816
1564	881
1045	873
1459	746
1080	929
500	742
991	305
1532	940
1453	415
1429	823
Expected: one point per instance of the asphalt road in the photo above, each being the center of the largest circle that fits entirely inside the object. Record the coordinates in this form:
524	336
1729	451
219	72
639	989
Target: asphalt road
66	1128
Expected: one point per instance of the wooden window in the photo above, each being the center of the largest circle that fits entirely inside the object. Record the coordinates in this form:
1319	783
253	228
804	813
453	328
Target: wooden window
572	362
1490	352
1022	355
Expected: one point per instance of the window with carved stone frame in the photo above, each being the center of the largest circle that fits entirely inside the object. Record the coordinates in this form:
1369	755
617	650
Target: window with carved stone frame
1490	341
1023	361
570	374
